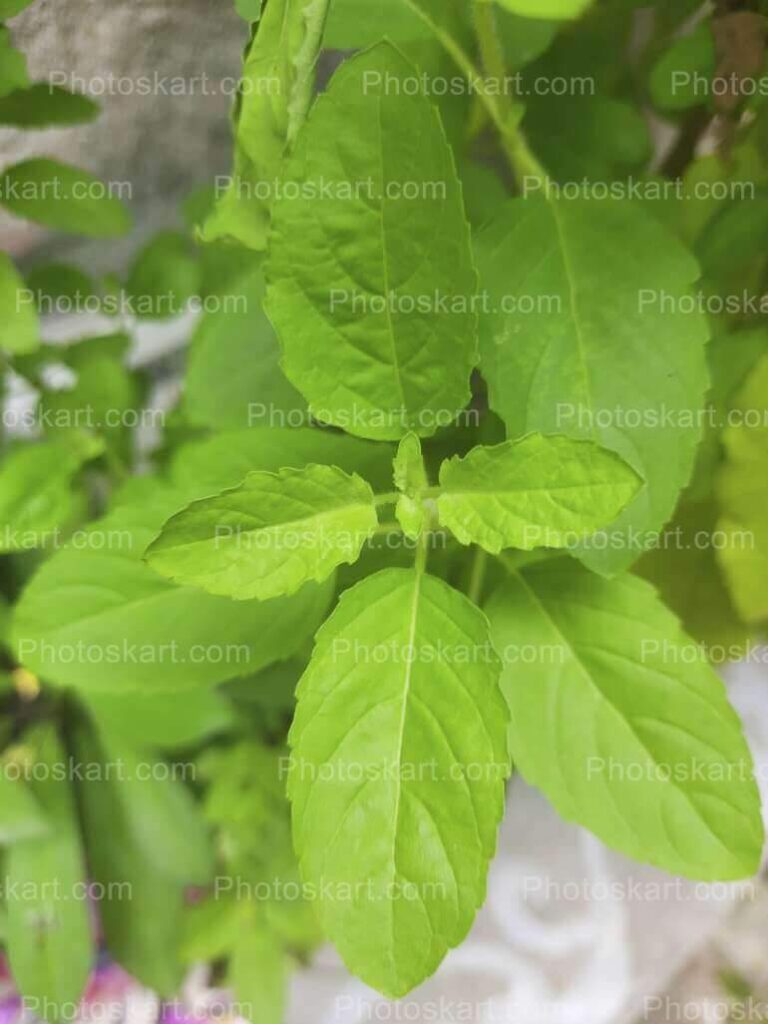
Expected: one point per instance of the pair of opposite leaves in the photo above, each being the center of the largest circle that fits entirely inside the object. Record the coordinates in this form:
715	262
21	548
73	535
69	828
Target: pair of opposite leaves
401	731
372	840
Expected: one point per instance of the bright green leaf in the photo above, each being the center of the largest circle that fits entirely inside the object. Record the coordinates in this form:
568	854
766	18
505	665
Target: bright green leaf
50	944
258	970
19	329
234	379
403	677
546	8
743	494
535	492
269	536
565	357
64	198
278	81
95	616
395	320
620	721
21	816
410	475
410	479
36	496
355	24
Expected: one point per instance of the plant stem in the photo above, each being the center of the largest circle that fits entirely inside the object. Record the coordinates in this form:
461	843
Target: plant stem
504	111
476	580
386	499
491	51
422	550
389	527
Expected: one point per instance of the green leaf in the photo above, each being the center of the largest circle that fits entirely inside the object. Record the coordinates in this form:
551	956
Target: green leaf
21	816
583	136
13	65
270	535
105	398
731	357
233	377
245	800
396	319
685	570
96	617
410	476
277	86
732	239
206	467
61	287
535	492
672	82
249	9
564	358
258	971
743	494
483	191
46	106
355	24
10	8
618	718
36	495
210	930
164	277
50	945
19	329
523	39
160	813
141	908
546	8
410	479
160	720
402	677
64	198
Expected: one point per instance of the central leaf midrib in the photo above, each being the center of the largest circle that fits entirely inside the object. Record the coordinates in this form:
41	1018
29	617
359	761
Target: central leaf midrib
574	306
385	263
412	627
276	528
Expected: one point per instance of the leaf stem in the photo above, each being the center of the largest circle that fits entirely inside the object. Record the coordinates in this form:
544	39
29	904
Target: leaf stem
388	527
390	498
422	550
521	159
476	580
504	111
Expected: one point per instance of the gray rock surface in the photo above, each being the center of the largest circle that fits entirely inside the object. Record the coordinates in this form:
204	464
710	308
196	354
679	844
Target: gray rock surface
164	72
